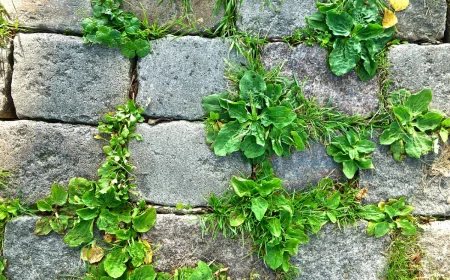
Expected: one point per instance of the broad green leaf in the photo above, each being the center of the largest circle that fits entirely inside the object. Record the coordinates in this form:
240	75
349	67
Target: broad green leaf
405	211
259	207
81	233
431	120
274	227
340	24
352	137
291	246
371	228
145	272
370	31
137	252
369	66
251	149
365	146
108	221
236	110
272	94
333	201
350	168
211	104
128	49
274	256
298	141
407	227
279	116
250	84
228	139
88	213
299	235
372	213
267	187
43	226
77	188
316	224
145	221
341	157
418	103
59	195
236	219
403	115
446	123
59	224
332	150
332	217
443	133
43	205
392	134
418	144
142	47
365	11
391	211
257	130
115	262
242	187
345	55
317	21
364	163
202	272
381	229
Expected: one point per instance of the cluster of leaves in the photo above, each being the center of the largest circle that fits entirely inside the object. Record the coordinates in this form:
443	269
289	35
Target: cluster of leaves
113	27
352	151
394	214
357	35
260	120
7	30
278	222
415	129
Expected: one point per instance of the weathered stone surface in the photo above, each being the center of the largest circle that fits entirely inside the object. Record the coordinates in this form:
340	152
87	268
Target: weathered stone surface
305	167
275	20
40	154
179	72
342	254
419	180
435	241
347	93
48	15
182	244
202	13
33	257
6	104
447	29
174	164
59	77
423	20
415	67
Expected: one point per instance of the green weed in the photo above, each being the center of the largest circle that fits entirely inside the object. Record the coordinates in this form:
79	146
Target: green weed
7	30
404	255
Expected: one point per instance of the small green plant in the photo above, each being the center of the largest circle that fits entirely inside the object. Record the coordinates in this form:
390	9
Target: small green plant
353	30
393	214
404	257
352	151
445	130
415	129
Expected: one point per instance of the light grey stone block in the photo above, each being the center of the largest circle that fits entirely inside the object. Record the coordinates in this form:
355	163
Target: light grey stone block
274	18
347	93
178	72
32	257
435	241
49	15
6	103
40	154
182	244
60	78
174	164
343	254
415	67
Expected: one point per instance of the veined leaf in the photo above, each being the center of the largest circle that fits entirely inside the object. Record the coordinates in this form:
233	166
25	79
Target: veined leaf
229	139
340	24
242	187
145	221
344	56
259	207
418	103
81	233
279	116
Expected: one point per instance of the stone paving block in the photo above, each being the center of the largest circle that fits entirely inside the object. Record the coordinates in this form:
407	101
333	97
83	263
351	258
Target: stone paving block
422	181
182	244
59	77
306	167
274	18
342	254
423	20
415	67
33	257
435	241
202	13
6	104
49	15
40	154
174	164
347	93
179	72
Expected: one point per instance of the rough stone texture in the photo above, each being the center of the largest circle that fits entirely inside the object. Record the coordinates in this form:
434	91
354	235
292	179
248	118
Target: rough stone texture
305	167
419	180
40	154
202	14
342	254
347	93
435	241
275	20
59	77
182	244
33	257
49	15
179	72
174	164
447	29
6	104
416	67
423	20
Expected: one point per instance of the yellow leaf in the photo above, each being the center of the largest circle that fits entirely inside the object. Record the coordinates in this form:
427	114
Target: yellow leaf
93	254
149	252
399	5
389	19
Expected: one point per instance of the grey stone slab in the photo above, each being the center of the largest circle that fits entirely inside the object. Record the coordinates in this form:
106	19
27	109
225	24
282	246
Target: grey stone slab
6	103
274	18
32	257
435	241
306	167
174	164
182	244
202	14
59	77
415	67
49	15
178	72
347	93
423	20
40	154
343	254
420	180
